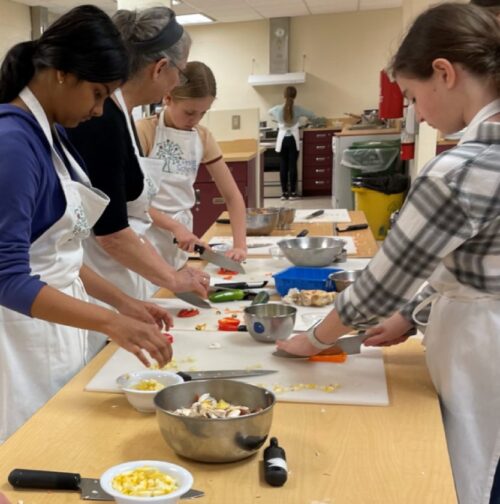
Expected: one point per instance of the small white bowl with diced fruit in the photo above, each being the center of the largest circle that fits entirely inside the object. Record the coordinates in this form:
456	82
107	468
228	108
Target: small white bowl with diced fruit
146	482
140	387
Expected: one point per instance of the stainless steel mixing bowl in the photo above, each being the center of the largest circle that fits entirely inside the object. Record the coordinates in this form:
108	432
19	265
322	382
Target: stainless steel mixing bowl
342	279
215	439
286	217
270	322
312	250
261	221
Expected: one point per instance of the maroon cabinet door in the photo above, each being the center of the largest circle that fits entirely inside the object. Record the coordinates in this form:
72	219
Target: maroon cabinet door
317	162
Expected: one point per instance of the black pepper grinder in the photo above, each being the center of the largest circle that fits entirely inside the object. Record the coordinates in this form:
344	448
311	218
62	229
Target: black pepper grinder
275	468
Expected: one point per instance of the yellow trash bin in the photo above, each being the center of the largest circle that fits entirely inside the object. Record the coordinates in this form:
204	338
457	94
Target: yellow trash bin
378	208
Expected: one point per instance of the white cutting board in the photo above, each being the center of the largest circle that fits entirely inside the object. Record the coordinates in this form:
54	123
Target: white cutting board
330	215
305	318
256	270
361	378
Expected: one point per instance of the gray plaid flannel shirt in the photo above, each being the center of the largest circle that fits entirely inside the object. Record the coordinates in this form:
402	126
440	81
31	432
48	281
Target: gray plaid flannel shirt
451	215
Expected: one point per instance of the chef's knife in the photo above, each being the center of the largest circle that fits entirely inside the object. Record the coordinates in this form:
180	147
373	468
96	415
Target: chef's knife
207	254
352	227
258	245
349	344
317	213
227	374
242	285
193	299
90	488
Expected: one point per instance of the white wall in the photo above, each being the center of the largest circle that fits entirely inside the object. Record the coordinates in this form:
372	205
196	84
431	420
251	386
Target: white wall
15	25
343	56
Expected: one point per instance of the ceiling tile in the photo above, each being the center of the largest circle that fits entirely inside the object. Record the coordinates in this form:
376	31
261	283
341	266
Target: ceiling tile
282	11
378	4
330	6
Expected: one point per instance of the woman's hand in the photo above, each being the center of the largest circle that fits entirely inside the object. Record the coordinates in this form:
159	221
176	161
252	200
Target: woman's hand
191	280
3	499
298	345
390	332
137	337
146	312
237	254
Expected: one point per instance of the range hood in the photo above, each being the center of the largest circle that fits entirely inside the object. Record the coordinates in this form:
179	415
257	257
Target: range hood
279	31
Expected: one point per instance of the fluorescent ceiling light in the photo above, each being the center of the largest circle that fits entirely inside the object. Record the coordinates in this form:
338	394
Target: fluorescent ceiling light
190	19
176	2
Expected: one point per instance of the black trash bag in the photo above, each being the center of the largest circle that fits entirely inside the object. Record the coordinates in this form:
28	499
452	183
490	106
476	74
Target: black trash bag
387	184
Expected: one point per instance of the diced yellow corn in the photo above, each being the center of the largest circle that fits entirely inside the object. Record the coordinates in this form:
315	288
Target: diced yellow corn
148	384
144	482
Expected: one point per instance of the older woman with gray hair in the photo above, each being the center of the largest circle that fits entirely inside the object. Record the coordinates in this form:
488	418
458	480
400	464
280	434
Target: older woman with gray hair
158	48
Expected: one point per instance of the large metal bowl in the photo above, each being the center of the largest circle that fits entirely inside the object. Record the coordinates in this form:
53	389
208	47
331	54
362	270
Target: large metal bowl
342	279
215	439
261	221
270	322
312	250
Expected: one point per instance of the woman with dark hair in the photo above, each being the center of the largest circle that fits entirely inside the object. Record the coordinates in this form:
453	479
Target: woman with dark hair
288	142
158	48
47	208
448	233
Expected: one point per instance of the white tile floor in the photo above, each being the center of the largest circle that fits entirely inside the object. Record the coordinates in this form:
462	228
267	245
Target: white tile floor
303	202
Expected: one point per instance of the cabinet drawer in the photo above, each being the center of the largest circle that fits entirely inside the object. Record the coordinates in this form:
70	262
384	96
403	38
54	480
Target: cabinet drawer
317	136
317	149
318	186
317	172
317	159
238	169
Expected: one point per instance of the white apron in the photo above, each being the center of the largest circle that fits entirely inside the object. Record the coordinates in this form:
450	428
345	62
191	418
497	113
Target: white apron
139	219
463	354
36	357
282	130
181	152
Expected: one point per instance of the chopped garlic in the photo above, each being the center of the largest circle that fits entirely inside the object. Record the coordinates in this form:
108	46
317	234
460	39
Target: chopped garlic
148	384
144	482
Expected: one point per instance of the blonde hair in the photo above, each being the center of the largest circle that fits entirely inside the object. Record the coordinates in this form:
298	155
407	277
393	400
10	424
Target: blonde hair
200	83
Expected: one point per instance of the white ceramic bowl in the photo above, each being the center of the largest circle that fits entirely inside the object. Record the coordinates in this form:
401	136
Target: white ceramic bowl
182	476
143	400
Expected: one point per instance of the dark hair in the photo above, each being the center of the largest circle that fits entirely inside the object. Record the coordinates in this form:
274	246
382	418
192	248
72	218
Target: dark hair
201	82
141	25
290	95
492	5
460	33
83	42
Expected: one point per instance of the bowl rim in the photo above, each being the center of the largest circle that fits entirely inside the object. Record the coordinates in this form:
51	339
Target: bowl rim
331	276
200	419
164	466
255	307
127	377
286	241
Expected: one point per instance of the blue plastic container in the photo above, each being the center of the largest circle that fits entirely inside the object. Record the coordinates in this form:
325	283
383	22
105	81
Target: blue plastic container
303	278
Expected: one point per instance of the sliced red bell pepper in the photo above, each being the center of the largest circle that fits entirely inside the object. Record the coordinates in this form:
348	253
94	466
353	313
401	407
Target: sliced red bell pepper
224	271
188	312
228	324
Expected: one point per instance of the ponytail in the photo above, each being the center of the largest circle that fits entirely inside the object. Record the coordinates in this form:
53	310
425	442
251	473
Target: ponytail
290	95
17	70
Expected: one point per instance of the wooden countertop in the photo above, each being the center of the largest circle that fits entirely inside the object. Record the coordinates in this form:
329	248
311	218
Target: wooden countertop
239	156
336	454
363	132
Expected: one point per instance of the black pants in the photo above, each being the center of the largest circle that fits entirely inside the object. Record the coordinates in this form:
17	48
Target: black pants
495	491
288	165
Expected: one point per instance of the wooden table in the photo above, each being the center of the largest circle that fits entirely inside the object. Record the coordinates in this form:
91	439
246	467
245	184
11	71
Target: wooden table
336	454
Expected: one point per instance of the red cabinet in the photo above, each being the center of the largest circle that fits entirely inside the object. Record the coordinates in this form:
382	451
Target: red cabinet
209	202
317	162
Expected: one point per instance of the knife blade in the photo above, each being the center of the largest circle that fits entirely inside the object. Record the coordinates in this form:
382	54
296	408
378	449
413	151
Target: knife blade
193	299
258	245
227	374
221	260
89	488
242	285
317	213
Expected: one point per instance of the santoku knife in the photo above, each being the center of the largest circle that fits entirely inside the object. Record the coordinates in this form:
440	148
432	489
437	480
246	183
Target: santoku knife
193	299
317	213
89	488
227	374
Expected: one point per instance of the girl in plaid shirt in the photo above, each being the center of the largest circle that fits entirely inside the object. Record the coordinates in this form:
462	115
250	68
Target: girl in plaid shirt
448	234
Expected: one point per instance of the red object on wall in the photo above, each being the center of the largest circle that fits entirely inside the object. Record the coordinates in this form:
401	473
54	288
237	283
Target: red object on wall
407	151
391	99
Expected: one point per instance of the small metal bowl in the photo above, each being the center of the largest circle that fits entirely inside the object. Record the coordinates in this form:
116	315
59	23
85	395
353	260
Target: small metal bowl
286	217
312	250
215	439
261	221
270	322
342	279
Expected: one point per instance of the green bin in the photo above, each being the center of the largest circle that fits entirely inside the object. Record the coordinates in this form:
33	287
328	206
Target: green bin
373	158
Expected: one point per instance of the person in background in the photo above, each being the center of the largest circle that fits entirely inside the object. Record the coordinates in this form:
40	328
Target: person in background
492	5
177	138
288	142
448	232
47	208
158	48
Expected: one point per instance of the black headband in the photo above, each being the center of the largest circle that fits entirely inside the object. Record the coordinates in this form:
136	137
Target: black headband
168	36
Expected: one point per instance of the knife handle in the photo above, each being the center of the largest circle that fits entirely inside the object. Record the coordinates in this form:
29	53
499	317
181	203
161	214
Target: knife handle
49	480
186	377
197	247
302	233
352	227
